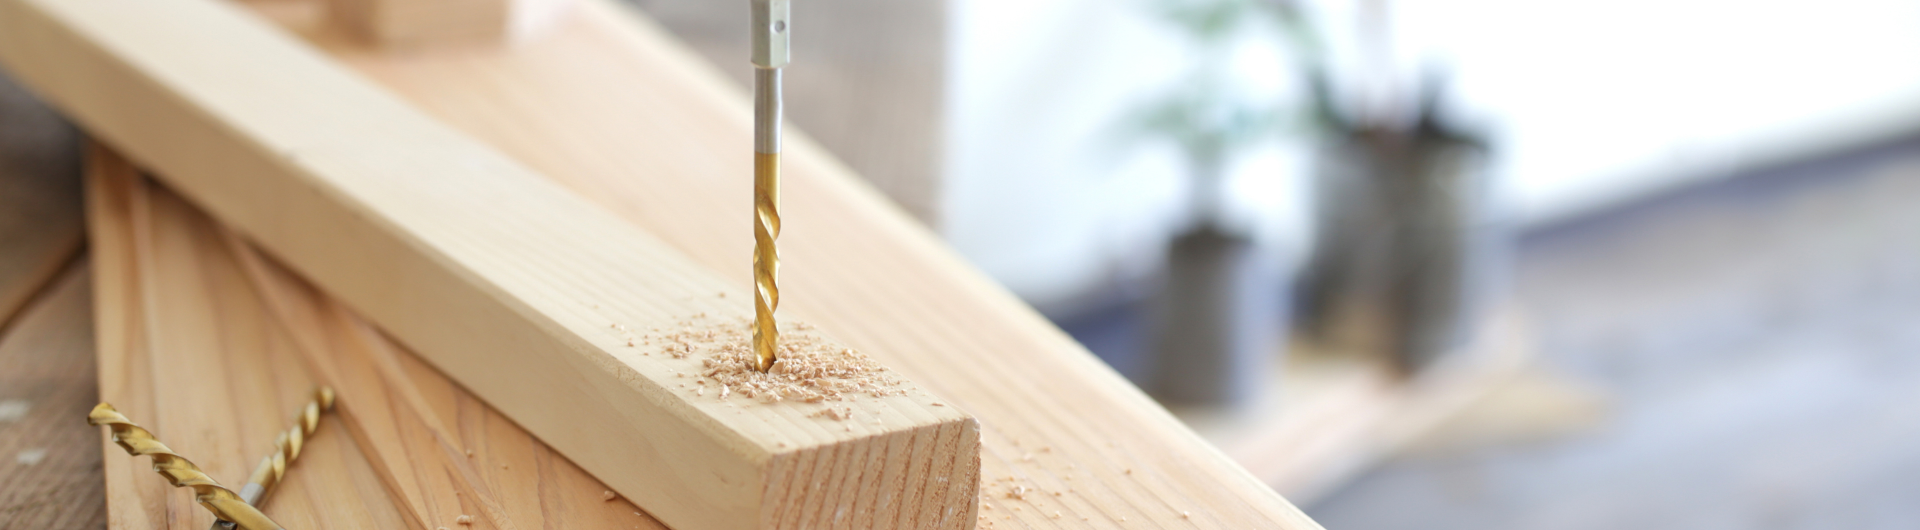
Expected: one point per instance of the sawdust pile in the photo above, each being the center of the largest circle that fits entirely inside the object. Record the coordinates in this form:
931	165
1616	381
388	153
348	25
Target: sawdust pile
810	368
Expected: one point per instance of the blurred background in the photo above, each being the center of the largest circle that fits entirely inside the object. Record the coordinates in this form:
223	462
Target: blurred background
1454	264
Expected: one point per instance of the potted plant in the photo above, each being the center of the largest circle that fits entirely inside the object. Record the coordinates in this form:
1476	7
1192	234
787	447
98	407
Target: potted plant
1219	314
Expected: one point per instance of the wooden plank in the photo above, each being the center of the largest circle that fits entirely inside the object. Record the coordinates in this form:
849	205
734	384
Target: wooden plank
219	380
612	108
40	221
46	381
416	24
402	436
412	414
134	499
514	287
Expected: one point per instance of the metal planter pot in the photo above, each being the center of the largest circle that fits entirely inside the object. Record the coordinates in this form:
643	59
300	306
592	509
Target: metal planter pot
1408	250
1220	318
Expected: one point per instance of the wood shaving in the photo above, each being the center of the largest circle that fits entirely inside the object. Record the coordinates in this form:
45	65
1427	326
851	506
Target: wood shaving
810	368
608	495
837	413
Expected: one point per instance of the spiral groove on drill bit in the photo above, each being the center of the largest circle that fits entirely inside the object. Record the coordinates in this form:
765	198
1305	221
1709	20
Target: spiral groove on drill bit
287	447
766	257
766	199
179	471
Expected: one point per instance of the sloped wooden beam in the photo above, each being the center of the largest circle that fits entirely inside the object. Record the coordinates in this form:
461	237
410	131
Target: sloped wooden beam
516	288
614	109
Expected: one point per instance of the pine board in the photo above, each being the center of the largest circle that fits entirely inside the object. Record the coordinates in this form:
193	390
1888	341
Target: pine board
419	418
611	108
500	278
652	122
390	403
203	369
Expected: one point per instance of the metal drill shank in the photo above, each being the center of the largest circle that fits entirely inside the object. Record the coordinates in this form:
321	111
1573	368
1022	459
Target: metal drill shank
770	38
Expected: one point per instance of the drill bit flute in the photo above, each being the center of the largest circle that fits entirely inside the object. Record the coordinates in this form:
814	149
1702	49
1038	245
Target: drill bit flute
286	448
223	502
769	55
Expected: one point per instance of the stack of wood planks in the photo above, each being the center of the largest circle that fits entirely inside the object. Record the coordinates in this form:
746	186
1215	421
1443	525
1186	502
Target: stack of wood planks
208	343
478	225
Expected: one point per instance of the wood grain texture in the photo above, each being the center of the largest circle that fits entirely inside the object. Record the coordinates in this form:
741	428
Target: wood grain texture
1084	428
135	500
40	220
499	277
401	411
403	407
50	460
208	373
613	109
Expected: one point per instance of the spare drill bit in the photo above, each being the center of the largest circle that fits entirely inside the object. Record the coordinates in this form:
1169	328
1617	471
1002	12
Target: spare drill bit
286	447
769	55
179	471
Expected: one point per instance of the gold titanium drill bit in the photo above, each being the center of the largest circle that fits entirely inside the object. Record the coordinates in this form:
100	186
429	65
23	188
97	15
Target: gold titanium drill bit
770	41
286	447
179	471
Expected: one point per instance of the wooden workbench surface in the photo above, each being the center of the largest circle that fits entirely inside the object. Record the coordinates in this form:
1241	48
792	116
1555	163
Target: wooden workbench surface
49	457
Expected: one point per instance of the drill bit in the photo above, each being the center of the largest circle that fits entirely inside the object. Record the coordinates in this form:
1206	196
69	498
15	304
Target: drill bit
179	471
286	447
770	41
